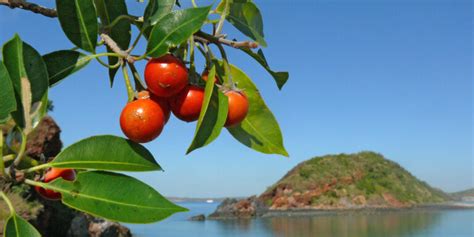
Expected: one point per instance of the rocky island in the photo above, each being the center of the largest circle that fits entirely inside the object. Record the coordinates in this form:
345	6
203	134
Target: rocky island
361	181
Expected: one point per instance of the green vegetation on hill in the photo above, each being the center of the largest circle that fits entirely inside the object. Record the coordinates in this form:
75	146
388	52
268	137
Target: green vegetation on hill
465	193
349	180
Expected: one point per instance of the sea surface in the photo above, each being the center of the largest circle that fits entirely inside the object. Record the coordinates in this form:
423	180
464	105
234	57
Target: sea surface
420	223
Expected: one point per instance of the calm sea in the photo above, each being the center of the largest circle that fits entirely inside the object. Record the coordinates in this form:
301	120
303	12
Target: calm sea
436	223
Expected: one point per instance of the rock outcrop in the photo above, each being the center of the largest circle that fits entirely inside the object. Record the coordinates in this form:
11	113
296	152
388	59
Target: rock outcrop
234	208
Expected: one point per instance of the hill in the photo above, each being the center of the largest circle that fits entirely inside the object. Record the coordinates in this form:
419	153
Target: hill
364	179
464	195
338	182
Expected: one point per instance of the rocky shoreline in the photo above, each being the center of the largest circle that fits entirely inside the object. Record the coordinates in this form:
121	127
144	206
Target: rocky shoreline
252	207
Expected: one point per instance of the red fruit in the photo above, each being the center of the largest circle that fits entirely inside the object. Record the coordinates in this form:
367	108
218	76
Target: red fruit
206	74
166	76
163	102
187	104
238	108
142	120
52	174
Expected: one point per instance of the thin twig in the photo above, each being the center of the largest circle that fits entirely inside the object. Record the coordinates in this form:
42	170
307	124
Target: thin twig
49	12
115	48
207	38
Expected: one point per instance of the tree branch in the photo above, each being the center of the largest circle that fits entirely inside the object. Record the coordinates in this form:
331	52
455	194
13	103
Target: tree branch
49	12
207	38
115	48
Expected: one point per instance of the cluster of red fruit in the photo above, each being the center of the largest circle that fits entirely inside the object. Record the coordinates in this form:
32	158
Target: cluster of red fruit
169	90
143	120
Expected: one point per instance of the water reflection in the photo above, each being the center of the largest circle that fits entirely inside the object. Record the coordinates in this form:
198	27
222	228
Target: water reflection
355	224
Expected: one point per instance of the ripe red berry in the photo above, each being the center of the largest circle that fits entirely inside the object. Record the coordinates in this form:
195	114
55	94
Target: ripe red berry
142	120
166	76
238	107
187	104
52	174
163	102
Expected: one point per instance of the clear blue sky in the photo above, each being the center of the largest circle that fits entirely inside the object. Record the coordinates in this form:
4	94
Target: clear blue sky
389	76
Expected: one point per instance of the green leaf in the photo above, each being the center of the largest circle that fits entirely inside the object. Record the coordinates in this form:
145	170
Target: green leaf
36	72
13	59
156	9
7	94
280	77
23	61
174	29
16	226
62	63
246	17
259	130
108	11
213	115
78	20
115	197
106	153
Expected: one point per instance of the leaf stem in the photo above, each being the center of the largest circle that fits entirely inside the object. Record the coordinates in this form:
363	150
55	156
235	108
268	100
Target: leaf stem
135	42
228	78
36	168
118	19
8	158
223	16
20	154
92	56
194	3
39	184
8	202
128	84
139	85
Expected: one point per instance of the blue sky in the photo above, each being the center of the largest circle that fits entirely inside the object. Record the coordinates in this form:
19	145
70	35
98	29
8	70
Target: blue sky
388	76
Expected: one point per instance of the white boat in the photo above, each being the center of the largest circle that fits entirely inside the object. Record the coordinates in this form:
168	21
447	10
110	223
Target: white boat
209	201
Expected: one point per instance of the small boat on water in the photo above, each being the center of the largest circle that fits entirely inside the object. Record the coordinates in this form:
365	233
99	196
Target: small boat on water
209	201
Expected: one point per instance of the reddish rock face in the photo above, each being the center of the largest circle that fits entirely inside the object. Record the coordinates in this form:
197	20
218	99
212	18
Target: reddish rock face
392	201
45	139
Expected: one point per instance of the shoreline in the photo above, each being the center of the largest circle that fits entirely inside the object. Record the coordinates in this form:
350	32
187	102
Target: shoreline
365	210
309	212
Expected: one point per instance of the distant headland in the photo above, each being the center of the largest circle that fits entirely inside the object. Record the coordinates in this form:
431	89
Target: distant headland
360	181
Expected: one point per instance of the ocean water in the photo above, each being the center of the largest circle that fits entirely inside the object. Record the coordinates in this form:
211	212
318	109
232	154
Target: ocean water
426	223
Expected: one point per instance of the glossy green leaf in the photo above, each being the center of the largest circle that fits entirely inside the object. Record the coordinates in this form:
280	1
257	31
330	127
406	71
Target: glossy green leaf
246	17
7	94
15	226
23	61
156	9
115	197
108	11
174	29
13	59
213	115
106	153
259	130
36	72
78	20
280	77
62	63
